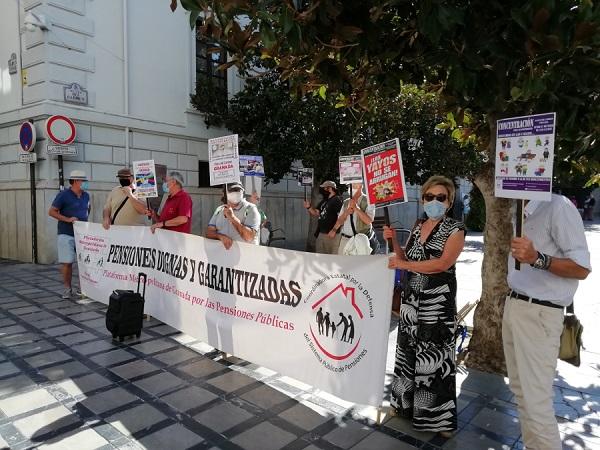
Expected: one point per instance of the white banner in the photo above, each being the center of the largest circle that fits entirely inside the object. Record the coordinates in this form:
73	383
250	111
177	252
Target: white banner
321	319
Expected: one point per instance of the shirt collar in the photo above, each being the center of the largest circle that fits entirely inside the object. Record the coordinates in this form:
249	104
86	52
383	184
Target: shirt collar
531	207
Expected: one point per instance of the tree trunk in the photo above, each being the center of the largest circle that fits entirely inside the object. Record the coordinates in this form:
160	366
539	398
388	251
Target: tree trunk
485	348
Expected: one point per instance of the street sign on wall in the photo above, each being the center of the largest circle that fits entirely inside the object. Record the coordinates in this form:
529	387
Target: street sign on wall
29	158
70	150
27	136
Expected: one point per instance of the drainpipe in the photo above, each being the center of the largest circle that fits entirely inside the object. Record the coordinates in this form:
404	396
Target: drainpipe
126	80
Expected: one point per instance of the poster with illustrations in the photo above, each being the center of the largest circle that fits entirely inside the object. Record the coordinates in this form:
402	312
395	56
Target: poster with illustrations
384	174
351	169
224	160
144	174
252	166
524	157
306	176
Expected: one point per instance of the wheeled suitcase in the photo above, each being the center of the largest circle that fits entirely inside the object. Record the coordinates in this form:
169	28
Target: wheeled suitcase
125	313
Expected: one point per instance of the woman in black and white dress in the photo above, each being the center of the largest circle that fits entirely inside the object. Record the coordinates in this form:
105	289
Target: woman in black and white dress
424	387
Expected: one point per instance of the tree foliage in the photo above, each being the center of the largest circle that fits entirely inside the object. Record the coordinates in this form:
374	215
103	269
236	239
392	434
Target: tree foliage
285	129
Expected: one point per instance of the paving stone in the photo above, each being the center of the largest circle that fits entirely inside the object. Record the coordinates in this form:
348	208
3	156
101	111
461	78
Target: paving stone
176	356
81	385
304	417
264	436
348	434
76	338
188	398
163	329
7	322
154	346
33	347
471	440
13	384
25	310
113	357
231	381
43	359
107	400
8	368
84	440
495	421
39	316
83	316
222	416
134	369
6	330
380	441
65	370
18	339
135	419
265	397
62	330
159	383
90	348
405	426
202	368
172	437
50	323
28	401
46	421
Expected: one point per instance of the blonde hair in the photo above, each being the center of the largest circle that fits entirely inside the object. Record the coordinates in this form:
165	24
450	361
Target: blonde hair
438	180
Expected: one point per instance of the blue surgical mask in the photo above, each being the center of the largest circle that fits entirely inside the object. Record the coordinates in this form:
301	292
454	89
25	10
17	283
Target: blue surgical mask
434	209
165	188
85	185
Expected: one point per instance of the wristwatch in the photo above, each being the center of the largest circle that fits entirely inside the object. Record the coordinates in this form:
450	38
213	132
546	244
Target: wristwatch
542	262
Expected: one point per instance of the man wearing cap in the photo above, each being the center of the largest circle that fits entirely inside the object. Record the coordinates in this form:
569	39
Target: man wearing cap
176	214
327	211
69	206
122	206
236	220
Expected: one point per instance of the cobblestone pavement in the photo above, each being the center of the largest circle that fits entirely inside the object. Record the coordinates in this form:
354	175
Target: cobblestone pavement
65	384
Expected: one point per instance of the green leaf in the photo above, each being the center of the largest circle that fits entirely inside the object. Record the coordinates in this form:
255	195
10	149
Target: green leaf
323	92
515	93
190	5
287	19
193	18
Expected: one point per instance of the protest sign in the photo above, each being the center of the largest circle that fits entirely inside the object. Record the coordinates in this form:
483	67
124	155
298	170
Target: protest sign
351	169
224	160
144	174
252	166
321	319
524	156
384	174
306	176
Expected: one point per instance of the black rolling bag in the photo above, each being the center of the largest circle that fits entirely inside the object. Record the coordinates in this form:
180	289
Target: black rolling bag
125	313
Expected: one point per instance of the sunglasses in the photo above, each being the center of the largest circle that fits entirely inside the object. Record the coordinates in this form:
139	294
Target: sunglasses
440	197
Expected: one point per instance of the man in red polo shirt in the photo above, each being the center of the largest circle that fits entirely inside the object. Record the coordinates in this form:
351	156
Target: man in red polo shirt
176	214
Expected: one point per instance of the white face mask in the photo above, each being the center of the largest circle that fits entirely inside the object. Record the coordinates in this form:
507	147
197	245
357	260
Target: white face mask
234	197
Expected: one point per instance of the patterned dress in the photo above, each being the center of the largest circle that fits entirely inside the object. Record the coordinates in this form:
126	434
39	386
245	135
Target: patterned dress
424	387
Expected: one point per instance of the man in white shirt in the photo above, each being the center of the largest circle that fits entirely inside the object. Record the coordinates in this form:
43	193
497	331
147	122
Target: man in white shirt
554	257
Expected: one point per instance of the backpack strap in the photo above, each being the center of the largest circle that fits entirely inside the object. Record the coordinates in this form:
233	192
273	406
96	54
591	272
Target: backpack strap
112	221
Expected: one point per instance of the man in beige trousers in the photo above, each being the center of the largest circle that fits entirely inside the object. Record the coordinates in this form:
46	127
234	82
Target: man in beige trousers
554	257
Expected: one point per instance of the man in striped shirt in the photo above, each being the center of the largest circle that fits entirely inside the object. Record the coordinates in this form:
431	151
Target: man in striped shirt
554	256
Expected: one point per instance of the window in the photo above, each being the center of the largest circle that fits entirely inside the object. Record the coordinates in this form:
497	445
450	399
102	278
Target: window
207	62
203	174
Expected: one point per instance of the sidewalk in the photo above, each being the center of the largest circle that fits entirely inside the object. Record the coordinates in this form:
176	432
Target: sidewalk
65	384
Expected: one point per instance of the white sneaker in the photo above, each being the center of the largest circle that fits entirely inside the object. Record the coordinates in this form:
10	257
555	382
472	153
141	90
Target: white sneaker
66	294
76	293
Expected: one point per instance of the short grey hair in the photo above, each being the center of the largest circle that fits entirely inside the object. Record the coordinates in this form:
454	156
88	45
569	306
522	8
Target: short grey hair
177	177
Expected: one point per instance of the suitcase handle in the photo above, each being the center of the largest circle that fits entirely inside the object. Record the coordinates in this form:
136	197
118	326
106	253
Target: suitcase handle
145	277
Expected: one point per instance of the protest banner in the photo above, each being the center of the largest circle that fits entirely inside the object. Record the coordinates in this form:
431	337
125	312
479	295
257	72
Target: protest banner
144	174
306	176
224	160
524	157
383	174
321	319
252	166
351	169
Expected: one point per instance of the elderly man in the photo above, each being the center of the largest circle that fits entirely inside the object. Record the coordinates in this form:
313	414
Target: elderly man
69	206
555	257
176	214
236	220
122	206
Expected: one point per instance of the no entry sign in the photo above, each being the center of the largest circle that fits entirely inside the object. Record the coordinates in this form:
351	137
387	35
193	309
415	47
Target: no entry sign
27	136
60	129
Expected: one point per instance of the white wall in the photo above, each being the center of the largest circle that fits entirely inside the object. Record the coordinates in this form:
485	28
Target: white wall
10	85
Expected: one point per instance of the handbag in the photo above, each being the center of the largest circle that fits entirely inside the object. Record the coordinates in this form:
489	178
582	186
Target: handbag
570	339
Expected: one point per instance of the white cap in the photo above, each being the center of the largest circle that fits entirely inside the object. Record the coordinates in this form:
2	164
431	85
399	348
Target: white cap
77	175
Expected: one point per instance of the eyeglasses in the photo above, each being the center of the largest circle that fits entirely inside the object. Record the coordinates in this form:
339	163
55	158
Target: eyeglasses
440	197
235	189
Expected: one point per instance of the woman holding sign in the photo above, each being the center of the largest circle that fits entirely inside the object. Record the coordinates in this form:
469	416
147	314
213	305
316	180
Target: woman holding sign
424	388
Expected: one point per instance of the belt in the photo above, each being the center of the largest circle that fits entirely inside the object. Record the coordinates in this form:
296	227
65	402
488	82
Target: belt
370	235
536	301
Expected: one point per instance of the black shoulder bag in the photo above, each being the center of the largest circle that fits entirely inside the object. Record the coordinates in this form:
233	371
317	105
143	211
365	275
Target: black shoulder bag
112	221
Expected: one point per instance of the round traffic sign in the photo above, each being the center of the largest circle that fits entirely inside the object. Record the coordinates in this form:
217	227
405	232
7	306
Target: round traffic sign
60	129
27	136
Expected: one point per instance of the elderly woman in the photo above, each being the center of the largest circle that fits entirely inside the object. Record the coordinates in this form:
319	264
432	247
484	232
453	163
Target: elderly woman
424	387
